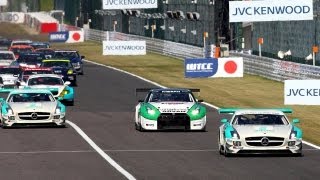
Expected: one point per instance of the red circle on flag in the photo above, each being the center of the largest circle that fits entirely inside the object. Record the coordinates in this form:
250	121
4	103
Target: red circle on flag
76	36
230	67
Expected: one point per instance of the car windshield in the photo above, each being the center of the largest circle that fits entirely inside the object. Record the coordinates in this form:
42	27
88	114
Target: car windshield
21	50
66	54
30	72
6	56
260	119
14	71
31	97
37	46
45	81
180	96
56	64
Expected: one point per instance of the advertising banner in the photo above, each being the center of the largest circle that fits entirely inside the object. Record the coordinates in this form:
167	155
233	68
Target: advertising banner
124	48
129	4
3	2
270	10
302	92
214	68
62	36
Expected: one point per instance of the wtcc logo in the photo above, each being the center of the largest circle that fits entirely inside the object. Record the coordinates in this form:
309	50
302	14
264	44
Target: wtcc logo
200	67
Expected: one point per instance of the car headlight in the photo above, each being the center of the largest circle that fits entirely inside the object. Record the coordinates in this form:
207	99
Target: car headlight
10	111
150	111
58	110
70	71
195	111
293	134
235	134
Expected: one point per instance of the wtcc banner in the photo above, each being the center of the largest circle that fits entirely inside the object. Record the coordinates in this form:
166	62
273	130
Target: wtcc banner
270	10
67	36
124	48
129	4
213	68
302	92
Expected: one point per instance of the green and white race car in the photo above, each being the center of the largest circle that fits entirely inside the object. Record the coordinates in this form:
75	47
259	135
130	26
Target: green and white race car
259	131
169	108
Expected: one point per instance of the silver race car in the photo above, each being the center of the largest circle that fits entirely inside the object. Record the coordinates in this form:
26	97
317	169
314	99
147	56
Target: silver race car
31	107
259	131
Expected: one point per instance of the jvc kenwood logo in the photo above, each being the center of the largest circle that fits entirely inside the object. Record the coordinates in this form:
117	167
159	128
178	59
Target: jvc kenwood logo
199	67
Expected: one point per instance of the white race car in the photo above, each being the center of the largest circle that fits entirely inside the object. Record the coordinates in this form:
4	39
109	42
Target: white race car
165	109
259	131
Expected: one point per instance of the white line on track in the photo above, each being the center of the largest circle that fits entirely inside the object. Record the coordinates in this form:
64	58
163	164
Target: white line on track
122	150
101	152
159	85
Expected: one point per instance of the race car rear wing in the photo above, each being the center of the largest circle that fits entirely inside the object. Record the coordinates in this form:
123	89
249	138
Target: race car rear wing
233	110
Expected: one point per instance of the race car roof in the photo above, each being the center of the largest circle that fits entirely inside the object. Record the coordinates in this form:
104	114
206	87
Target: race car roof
54	60
19	91
277	111
45	75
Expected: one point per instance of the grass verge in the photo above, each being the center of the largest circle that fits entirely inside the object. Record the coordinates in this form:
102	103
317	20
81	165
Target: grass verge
250	91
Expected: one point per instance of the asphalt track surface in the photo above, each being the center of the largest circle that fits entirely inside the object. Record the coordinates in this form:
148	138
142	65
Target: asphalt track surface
104	110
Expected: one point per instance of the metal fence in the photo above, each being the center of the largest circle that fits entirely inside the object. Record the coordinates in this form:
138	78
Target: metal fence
266	67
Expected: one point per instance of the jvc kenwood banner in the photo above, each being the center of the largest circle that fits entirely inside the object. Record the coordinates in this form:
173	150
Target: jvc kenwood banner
270	10
129	4
124	48
302	92
3	2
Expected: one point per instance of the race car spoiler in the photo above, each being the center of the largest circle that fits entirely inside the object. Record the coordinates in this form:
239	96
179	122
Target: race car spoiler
233	110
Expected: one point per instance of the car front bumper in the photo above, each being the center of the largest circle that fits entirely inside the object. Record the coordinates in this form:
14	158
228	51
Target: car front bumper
9	122
233	148
195	125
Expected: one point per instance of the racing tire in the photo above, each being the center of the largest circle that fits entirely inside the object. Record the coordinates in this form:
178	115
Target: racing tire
71	103
140	128
226	154
204	129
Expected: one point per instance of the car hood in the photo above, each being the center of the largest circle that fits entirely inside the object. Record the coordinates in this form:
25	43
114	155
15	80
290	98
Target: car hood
5	62
8	77
33	106
263	130
169	107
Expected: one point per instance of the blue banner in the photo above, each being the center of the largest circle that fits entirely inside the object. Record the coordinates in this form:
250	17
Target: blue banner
59	36
197	68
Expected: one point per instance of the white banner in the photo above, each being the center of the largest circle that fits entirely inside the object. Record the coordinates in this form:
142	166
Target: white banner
75	36
124	48
3	2
270	10
129	4
230	67
302	92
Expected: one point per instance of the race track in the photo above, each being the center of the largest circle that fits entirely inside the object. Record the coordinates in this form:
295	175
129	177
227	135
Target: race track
105	101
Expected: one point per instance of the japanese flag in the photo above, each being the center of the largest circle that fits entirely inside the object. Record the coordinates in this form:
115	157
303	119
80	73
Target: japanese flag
230	67
75	36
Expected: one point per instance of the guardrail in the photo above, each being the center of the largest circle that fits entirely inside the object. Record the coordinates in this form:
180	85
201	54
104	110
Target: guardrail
266	67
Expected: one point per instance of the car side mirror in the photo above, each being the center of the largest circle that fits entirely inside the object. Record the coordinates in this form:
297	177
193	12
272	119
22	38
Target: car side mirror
67	83
82	57
200	100
224	121
295	121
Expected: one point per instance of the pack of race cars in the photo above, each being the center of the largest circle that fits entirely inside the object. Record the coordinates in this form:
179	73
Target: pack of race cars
36	83
39	80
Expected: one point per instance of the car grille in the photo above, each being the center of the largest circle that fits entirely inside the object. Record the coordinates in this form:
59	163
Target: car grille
173	121
173	110
257	141
34	115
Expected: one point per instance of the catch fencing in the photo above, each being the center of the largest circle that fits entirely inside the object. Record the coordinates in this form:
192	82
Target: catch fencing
266	67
